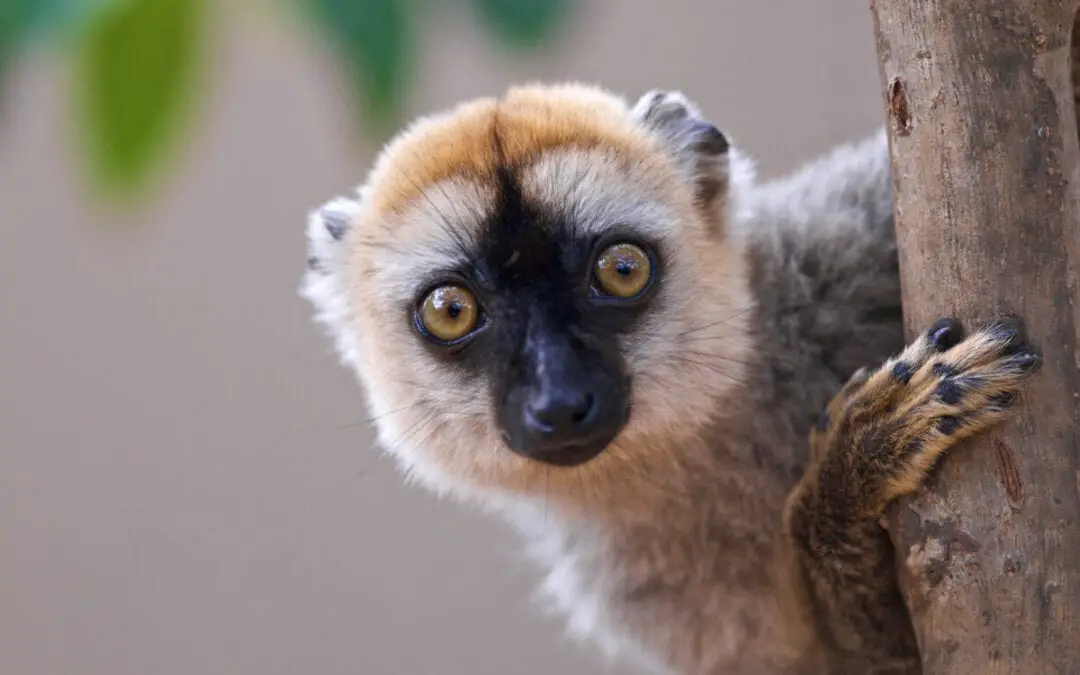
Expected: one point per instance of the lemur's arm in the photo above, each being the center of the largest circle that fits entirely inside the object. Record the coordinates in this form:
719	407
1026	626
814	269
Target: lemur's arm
878	439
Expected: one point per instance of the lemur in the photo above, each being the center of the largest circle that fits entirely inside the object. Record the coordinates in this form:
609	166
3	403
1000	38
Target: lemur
585	315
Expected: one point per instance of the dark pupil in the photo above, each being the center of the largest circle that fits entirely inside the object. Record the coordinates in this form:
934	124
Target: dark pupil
624	267
454	309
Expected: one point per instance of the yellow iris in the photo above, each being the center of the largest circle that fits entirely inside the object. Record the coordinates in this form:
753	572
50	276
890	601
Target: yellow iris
449	313
623	271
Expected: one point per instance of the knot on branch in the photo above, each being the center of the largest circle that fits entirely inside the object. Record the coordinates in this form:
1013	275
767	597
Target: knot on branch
899	108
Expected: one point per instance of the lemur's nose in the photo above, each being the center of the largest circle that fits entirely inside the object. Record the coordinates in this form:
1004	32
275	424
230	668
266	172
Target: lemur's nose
561	412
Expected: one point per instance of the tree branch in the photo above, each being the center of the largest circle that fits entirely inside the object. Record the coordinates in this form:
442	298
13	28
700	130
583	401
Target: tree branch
986	170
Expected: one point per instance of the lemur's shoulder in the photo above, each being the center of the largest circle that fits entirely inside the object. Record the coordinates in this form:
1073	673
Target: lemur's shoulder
822	256
846	189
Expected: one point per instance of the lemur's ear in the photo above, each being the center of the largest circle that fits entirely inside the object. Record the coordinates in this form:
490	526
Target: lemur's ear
698	146
324	283
326	229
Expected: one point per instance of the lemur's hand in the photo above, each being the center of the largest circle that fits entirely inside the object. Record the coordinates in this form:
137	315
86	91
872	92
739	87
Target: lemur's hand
887	427
878	439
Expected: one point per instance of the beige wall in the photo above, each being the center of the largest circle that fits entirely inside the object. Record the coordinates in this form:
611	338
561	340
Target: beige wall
180	488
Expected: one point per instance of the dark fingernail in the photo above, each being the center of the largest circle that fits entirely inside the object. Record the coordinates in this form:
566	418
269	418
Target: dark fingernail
1026	360
945	333
1007	330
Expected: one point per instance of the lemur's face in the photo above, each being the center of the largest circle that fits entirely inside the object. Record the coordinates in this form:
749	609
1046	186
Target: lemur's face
538	289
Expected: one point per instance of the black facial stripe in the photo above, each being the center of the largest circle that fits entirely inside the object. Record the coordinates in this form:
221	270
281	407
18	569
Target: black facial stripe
527	255
545	340
532	265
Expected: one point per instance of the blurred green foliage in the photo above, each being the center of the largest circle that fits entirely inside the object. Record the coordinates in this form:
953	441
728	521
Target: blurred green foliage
521	22
374	38
15	19
140	64
135	68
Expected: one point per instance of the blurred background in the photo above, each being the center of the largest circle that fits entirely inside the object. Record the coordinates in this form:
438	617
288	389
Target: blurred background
187	486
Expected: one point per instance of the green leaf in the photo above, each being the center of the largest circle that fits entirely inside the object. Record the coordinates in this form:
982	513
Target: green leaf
525	23
16	18
374	38
60	19
136	76
25	21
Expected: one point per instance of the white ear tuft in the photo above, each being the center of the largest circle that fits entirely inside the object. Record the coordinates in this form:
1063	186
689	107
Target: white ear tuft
324	281
327	227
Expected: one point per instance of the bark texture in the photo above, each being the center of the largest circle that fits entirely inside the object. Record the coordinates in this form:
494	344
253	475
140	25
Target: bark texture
986	167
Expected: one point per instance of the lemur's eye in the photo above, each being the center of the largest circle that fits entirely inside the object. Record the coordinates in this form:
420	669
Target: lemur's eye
623	271
448	313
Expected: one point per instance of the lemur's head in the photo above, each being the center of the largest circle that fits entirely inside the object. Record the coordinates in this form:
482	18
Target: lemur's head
537	291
